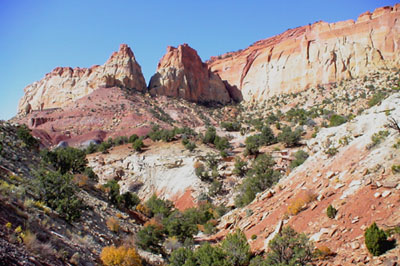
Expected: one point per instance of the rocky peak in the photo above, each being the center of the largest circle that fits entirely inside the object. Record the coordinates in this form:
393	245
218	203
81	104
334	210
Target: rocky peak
64	85
181	73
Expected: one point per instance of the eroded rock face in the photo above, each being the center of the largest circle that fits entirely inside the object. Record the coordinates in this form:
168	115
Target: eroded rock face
182	74
320	53
64	84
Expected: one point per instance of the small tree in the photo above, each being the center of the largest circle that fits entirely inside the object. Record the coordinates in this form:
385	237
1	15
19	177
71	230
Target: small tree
240	167
375	240
59	193
236	248
290	138
289	248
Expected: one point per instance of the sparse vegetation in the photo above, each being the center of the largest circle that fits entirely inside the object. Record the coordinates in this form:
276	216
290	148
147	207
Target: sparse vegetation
300	157
290	248
375	240
331	212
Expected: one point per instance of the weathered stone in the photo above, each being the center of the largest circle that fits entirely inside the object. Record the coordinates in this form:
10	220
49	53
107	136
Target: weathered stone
182	74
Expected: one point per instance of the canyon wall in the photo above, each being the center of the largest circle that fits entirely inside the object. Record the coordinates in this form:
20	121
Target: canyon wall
315	54
64	85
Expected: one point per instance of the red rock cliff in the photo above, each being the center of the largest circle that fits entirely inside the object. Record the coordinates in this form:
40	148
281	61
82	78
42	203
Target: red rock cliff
320	53
64	84
181	73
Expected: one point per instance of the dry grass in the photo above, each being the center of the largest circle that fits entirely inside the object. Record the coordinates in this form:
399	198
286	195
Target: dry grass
300	202
113	224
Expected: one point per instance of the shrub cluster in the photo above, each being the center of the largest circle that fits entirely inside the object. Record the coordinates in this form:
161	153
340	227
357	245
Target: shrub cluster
259	177
127	200
167	224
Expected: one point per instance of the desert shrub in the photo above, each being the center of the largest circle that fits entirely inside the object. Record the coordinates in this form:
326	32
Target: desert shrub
180	225
331	212
323	251
150	238
337	120
240	167
298	204
113	224
130	200
375	240
132	138
331	151
267	137
210	135
289	248
290	138
300	157
120	140
208	255
66	159
253	143
376	98
113	192
90	173
104	146
59	193
159	206
236	248
297	115
114	256
258	261
138	145
221	143
260	177
231	126
190	146
201	172
180	256
395	169
377	138
215	188
24	134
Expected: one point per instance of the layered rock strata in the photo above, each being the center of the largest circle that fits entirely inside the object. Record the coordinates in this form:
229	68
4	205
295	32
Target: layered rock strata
315	54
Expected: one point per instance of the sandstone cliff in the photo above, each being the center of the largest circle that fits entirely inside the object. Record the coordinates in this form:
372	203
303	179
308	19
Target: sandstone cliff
320	53
64	85
181	73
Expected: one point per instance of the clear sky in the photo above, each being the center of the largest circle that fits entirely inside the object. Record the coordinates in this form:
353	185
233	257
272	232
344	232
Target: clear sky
37	35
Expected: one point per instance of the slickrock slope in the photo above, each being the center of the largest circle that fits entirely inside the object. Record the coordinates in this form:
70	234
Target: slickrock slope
358	181
320	53
181	73
165	169
64	85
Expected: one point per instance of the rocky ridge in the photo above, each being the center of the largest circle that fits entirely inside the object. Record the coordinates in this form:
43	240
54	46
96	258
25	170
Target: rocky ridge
65	85
318	53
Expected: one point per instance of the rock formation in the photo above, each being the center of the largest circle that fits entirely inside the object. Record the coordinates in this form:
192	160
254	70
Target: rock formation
64	84
315	54
181	73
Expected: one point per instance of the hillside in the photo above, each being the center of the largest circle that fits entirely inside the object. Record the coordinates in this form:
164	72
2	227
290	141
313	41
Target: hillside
284	153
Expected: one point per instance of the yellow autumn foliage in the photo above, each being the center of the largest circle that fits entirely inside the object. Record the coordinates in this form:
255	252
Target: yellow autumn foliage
120	256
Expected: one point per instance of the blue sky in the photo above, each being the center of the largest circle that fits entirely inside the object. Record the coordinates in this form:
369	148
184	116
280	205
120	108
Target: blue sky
37	36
